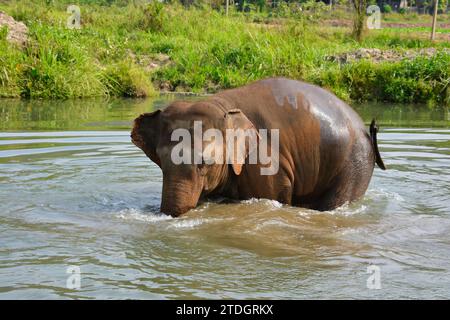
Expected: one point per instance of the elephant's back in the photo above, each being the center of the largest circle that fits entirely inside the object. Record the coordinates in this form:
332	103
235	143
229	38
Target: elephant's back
301	95
271	101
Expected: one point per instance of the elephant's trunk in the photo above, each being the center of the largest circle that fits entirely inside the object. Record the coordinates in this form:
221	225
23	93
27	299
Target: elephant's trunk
179	195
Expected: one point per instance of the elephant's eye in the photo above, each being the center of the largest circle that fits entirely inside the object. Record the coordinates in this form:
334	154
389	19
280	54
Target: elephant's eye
202	168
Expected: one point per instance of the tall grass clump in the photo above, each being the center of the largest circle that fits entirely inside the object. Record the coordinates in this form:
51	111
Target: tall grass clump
125	79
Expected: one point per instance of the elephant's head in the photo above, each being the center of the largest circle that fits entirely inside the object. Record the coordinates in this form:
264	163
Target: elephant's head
184	183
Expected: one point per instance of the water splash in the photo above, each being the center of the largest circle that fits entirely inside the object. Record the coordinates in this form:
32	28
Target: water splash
186	223
271	204
138	215
380	193
348	209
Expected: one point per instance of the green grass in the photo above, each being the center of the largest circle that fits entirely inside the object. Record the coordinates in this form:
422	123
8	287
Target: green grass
208	51
62	63
418	29
414	17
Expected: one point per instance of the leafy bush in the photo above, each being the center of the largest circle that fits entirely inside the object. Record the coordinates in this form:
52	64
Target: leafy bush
423	79
442	6
387	8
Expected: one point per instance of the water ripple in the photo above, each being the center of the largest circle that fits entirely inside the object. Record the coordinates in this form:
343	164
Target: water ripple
91	199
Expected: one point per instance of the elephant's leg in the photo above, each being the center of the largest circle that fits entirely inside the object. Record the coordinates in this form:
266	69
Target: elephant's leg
277	188
351	184
338	194
285	190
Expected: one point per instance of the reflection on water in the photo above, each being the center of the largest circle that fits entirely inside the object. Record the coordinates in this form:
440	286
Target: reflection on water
85	114
99	114
77	192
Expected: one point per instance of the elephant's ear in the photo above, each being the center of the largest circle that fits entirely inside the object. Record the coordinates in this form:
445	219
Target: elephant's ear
240	124
145	134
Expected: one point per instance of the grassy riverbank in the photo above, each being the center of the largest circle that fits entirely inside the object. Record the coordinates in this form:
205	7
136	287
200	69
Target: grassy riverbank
135	50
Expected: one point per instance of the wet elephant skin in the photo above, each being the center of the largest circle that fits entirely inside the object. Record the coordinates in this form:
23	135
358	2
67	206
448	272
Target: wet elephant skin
326	155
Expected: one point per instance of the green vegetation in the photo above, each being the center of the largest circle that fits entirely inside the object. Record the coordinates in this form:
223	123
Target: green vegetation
424	30
59	62
387	8
420	80
117	50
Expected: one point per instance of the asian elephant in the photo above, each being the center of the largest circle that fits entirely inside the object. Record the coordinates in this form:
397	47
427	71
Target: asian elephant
325	155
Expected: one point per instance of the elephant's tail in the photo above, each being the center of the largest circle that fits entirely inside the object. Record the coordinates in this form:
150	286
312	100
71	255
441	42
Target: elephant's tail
373	138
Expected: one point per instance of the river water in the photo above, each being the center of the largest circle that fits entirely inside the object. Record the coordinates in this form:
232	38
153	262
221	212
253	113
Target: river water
76	195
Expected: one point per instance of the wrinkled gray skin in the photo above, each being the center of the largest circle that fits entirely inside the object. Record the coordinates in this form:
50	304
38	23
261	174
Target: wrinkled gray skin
326	155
